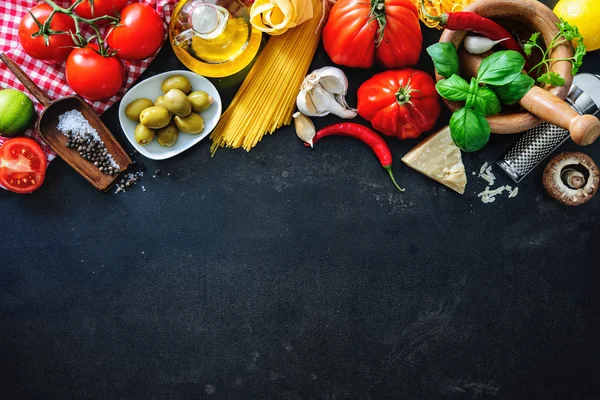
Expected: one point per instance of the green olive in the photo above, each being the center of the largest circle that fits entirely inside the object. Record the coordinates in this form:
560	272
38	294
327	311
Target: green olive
193	123
134	108
177	102
160	101
176	82
167	136
155	117
142	134
200	100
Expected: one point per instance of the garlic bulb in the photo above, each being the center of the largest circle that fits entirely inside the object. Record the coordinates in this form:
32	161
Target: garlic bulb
323	92
480	44
305	129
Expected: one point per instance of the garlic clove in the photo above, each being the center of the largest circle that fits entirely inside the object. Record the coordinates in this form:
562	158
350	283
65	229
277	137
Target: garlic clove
305	129
332	79
480	44
306	106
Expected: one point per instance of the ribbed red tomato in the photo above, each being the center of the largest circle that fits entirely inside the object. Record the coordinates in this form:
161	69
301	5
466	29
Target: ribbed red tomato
401	103
359	31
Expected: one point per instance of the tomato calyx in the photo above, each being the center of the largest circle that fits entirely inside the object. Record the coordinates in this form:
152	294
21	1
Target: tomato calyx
377	13
403	95
79	40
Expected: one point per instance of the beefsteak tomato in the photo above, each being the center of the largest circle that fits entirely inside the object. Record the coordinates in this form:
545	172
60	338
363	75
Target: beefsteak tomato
401	103
99	8
92	75
358	31
22	165
139	34
59	45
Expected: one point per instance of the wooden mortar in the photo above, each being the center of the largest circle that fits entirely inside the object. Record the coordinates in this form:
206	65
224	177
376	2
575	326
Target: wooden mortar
536	17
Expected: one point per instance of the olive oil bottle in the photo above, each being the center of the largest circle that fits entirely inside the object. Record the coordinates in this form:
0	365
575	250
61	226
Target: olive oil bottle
214	38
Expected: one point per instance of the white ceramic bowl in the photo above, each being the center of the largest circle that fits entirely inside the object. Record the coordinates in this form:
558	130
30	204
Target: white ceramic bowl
150	89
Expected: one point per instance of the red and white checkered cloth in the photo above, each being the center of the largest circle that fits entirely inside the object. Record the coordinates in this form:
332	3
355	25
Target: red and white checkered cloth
51	78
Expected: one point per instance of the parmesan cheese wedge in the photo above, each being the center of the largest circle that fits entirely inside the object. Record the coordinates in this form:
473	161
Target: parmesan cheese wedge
438	158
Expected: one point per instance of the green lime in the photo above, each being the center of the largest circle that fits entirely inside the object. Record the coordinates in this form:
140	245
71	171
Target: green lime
16	112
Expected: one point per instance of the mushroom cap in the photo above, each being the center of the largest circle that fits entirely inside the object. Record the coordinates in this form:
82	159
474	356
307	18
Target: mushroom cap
556	188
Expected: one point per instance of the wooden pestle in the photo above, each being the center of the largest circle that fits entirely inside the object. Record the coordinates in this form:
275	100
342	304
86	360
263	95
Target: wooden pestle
584	129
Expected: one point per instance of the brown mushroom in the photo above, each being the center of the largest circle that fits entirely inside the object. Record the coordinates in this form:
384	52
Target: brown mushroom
571	178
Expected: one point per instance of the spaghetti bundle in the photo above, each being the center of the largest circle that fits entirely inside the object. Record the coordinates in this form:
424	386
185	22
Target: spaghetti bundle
437	7
267	97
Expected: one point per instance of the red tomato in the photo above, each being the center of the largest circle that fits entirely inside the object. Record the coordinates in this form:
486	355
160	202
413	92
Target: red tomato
59	46
101	8
358	31
93	76
22	165
401	103
139	34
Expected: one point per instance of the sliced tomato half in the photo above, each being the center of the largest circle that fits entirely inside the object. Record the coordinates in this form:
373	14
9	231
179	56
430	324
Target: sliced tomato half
22	165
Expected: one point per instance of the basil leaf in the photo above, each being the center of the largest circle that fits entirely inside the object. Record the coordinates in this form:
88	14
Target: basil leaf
445	58
500	68
454	88
472	92
512	92
469	130
486	102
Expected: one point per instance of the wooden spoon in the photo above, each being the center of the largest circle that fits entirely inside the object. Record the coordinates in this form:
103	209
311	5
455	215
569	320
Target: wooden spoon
47	125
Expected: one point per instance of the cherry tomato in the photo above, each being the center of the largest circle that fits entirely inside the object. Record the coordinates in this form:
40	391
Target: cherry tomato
139	34
93	76
101	8
59	46
22	165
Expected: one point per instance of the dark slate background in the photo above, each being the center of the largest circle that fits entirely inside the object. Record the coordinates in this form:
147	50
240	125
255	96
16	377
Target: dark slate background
290	273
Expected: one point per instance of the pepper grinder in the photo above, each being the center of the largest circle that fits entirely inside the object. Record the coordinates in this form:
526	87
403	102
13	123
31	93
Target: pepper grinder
538	143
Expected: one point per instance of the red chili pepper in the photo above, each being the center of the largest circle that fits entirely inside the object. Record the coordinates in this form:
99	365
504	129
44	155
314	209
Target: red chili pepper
470	21
367	136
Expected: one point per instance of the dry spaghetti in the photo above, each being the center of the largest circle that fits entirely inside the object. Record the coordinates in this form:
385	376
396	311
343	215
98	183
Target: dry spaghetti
267	97
438	7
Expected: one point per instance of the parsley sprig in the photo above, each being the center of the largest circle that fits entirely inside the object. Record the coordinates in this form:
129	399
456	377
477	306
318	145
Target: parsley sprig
566	33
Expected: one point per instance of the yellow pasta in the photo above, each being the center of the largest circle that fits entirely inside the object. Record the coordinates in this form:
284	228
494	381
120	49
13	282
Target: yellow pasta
437	7
267	97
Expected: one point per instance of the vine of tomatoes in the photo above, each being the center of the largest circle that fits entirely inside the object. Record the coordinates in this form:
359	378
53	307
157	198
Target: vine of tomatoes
52	34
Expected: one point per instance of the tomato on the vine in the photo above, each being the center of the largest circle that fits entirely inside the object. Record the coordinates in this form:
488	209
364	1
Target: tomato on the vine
22	165
139	33
59	45
99	8
92	75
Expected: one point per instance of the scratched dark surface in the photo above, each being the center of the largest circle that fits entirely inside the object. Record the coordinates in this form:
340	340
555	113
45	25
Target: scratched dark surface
290	273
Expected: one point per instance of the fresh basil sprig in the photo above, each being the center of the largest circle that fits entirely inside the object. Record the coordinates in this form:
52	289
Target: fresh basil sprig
445	58
499	80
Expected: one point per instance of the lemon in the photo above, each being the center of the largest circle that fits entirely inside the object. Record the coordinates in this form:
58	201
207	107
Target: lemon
16	112
585	14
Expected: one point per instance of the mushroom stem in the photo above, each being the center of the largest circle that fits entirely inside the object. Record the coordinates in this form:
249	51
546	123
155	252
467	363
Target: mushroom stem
573	178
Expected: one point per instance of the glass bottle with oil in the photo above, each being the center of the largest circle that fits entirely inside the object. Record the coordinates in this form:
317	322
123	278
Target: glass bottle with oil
213	38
